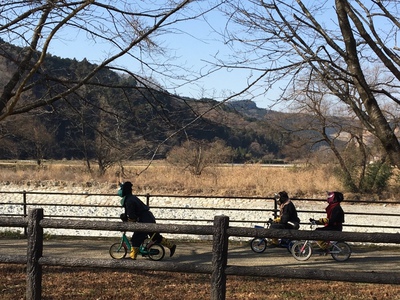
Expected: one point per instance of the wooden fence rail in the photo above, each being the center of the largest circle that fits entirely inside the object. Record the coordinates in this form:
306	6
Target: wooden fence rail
220	231
24	203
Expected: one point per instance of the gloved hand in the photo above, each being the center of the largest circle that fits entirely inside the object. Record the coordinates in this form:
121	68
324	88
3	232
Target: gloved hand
323	221
123	217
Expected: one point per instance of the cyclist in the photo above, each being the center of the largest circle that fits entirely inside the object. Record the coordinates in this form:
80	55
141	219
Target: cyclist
288	218
137	211
334	217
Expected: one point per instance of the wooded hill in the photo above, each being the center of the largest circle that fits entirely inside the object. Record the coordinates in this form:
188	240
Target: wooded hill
116	113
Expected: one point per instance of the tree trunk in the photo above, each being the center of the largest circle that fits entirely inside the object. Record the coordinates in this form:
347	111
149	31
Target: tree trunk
374	116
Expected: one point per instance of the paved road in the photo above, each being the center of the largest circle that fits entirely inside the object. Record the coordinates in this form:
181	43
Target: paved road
363	258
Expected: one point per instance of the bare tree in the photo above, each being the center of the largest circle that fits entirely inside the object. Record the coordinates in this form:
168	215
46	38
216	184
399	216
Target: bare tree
27	137
128	29
195	156
287	42
34	25
326	126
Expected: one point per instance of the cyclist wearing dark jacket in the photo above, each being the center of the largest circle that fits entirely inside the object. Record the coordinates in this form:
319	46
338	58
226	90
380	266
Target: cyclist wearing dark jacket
288	218
137	211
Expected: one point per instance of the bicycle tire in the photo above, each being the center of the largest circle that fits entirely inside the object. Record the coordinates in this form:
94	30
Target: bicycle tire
340	251
118	250
290	245
258	245
301	250
156	252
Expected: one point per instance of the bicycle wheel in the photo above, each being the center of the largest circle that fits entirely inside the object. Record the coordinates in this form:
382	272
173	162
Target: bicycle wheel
258	245
156	252
301	250
118	250
290	245
340	251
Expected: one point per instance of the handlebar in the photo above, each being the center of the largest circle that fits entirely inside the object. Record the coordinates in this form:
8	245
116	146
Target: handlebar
313	223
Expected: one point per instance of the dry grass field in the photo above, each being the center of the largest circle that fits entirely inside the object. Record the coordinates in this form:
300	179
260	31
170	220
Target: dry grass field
161	178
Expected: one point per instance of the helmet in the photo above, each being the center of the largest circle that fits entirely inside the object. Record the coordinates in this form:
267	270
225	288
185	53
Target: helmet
334	197
282	197
125	189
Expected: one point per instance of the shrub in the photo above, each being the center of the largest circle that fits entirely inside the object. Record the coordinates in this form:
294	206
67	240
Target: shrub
377	177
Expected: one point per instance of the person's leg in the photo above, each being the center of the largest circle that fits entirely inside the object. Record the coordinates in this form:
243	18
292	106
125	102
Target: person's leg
137	239
167	243
158	238
323	244
275	241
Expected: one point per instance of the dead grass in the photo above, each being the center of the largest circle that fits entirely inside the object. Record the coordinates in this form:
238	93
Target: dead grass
159	177
162	178
75	283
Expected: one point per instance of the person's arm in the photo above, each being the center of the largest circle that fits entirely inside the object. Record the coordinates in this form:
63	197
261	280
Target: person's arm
321	221
130	209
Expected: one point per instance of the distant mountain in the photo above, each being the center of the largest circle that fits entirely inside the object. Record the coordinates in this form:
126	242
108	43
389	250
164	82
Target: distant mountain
249	109
112	109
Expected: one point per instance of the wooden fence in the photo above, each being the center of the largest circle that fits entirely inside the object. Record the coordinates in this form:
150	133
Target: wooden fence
220	231
24	202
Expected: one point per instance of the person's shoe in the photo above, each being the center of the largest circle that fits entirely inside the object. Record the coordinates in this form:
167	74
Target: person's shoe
134	252
273	243
172	250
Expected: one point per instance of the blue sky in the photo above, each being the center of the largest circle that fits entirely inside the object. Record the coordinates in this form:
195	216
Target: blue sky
193	42
196	44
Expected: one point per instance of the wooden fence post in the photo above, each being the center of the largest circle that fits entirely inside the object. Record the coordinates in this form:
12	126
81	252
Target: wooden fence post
219	258
35	251
25	210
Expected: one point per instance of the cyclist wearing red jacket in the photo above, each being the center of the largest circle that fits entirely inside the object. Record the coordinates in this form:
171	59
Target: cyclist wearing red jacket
334	216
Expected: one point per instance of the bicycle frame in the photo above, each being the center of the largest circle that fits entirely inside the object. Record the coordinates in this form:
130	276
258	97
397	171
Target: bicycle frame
148	248
313	224
125	241
144	247
259	245
339	250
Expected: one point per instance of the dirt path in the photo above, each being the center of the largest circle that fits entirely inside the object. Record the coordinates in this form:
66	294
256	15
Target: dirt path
363	258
